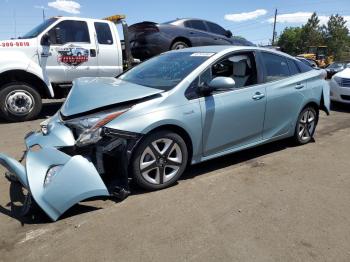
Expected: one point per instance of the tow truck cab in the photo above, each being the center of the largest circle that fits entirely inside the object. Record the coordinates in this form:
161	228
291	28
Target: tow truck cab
44	62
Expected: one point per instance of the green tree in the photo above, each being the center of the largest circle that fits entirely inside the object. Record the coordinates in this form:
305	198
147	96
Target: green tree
290	40
336	36
311	33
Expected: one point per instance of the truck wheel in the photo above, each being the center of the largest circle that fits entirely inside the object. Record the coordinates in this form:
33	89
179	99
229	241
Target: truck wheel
178	45
19	102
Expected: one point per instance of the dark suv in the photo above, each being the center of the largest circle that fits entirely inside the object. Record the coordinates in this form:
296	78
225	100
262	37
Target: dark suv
148	39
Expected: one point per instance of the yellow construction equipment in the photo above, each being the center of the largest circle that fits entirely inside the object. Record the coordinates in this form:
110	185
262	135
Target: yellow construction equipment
318	54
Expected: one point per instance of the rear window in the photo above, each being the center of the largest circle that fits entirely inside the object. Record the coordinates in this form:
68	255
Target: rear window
103	32
216	29
196	24
276	67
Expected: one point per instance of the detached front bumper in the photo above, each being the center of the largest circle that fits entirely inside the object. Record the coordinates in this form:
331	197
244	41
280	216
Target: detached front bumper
71	178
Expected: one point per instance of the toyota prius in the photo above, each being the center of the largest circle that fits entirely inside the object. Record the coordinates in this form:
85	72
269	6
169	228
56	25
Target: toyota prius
180	108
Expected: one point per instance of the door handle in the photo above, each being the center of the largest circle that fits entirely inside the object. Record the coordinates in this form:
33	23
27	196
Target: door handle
93	52
192	33
299	86
258	96
46	54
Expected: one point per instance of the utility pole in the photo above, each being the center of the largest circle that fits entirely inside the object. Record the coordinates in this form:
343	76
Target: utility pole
274	28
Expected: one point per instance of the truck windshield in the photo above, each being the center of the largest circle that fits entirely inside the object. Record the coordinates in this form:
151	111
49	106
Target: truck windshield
39	29
165	71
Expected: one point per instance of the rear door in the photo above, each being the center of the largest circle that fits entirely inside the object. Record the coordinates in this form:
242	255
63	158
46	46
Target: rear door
109	60
284	89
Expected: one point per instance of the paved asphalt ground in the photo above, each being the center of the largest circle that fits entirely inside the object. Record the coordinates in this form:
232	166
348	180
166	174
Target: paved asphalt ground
273	203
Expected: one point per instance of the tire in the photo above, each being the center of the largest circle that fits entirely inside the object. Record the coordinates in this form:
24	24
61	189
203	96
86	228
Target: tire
178	45
306	125
164	157
19	102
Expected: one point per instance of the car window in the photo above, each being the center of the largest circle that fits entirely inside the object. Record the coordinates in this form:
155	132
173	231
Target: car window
304	67
293	68
69	31
276	67
216	29
197	24
103	32
240	67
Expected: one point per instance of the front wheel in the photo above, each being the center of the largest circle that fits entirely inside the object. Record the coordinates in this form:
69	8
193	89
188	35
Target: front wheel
306	126
19	102
159	160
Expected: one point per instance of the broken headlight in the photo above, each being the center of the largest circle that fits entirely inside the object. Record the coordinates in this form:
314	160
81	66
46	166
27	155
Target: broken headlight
88	128
51	173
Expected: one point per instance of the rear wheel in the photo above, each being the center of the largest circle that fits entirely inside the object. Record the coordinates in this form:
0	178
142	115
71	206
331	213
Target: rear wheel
19	102
306	125
159	160
178	45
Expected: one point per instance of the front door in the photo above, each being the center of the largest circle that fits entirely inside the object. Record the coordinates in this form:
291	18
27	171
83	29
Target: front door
235	117
72	53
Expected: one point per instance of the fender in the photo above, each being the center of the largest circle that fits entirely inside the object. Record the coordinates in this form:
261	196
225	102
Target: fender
14	60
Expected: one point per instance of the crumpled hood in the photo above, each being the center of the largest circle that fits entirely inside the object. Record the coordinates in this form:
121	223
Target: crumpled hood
90	93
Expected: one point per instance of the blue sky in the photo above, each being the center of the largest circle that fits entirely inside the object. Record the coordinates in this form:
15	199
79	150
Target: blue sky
248	18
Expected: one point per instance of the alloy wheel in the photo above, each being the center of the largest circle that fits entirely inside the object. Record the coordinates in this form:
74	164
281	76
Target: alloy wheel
307	124
161	161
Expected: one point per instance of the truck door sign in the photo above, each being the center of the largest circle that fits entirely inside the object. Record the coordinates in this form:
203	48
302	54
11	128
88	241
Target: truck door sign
72	56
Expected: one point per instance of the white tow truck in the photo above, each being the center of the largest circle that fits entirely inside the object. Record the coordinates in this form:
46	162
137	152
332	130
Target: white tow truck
44	62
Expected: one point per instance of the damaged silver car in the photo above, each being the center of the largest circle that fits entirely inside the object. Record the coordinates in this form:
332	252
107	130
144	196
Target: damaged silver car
182	107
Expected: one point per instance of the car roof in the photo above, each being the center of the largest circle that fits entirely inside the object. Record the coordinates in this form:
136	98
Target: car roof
187	19
229	48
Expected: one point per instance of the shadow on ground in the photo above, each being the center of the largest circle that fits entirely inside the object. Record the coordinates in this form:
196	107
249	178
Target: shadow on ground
37	216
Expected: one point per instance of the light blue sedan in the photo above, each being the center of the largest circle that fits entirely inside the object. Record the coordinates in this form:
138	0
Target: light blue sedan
182	107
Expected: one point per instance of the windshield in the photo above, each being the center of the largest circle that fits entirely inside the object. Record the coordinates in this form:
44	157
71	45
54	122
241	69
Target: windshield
165	71
39	29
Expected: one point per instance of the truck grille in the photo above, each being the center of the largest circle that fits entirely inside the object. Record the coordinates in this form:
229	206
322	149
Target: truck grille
345	82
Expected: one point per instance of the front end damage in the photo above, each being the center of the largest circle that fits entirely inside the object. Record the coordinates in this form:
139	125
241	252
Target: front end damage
58	174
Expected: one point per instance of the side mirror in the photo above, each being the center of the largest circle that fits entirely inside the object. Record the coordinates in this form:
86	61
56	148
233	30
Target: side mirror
219	83
45	40
228	33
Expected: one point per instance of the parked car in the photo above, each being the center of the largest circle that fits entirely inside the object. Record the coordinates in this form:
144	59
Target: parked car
340	86
148	39
336	67
307	61
182	107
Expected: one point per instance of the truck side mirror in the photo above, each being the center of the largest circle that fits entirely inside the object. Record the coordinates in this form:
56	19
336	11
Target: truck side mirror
228	33
45	40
